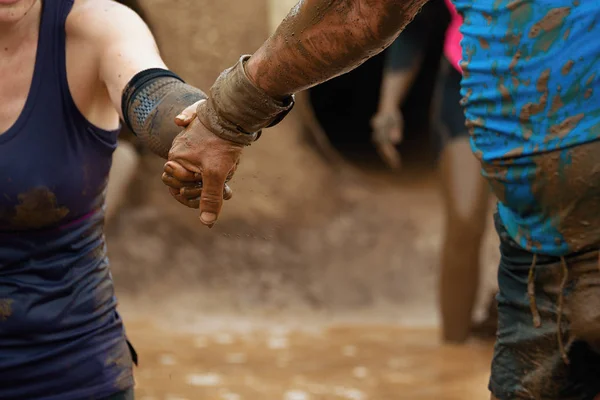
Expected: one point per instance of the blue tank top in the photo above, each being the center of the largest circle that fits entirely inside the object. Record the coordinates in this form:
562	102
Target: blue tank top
60	335
531	85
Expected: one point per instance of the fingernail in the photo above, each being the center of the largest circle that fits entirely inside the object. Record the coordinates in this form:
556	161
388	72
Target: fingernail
168	169
180	117
208	218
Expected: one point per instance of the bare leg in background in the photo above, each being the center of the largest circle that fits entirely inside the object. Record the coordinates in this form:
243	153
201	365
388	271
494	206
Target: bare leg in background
465	194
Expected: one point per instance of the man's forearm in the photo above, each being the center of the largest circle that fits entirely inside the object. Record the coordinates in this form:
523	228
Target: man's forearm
321	39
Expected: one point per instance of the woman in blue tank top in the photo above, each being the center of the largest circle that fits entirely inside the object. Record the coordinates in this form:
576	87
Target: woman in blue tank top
69	69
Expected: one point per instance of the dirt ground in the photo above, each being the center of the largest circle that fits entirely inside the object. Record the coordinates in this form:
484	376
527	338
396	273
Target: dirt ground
302	291
343	362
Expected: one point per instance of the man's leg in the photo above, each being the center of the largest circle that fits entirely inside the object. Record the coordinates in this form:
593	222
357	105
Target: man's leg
465	196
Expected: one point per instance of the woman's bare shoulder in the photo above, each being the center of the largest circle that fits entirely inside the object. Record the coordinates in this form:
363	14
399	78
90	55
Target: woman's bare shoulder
101	21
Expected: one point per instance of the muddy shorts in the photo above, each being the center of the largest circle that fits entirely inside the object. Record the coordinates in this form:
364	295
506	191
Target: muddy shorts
548	325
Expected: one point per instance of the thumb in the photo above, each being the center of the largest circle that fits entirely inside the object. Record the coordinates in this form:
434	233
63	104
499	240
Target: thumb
187	116
213	185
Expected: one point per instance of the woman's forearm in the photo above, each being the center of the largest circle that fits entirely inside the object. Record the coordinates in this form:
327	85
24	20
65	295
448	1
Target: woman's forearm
321	39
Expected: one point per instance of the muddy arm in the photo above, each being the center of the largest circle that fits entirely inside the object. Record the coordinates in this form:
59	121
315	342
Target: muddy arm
321	39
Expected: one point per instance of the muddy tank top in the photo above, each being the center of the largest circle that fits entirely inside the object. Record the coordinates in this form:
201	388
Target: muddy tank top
60	335
531	83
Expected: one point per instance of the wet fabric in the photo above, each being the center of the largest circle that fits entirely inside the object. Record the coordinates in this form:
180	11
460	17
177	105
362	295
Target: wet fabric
60	335
530	87
547	344
127	395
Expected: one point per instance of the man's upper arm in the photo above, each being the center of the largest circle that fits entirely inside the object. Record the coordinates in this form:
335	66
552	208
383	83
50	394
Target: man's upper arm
124	43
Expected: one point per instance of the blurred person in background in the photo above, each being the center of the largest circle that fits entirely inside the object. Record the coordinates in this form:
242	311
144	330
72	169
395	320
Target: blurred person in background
464	192
69	70
530	88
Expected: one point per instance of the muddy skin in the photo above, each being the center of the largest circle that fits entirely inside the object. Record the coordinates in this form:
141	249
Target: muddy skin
156	128
321	39
465	194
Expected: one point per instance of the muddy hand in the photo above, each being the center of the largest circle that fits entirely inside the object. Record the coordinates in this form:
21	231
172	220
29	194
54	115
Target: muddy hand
388	130
206	158
186	186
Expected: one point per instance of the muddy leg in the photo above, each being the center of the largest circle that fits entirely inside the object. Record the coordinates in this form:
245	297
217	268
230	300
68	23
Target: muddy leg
465	195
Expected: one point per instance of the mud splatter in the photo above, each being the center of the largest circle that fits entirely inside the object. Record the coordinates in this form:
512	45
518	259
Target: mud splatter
488	18
514	61
471	124
521	14
551	21
5	309
590	79
514	4
496	176
507	101
484	43
465	100
557	104
565	127
37	208
567	67
567	184
532	109
464	64
547	31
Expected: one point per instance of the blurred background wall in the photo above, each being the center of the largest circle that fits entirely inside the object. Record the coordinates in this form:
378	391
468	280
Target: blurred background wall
302	235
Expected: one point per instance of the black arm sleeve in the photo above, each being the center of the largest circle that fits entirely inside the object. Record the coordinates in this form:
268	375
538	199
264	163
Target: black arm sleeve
150	103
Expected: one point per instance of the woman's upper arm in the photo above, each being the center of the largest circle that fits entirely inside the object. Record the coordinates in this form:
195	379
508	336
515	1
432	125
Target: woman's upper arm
123	43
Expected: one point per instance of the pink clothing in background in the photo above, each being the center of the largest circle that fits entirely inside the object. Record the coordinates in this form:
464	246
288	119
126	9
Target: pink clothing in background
452	49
